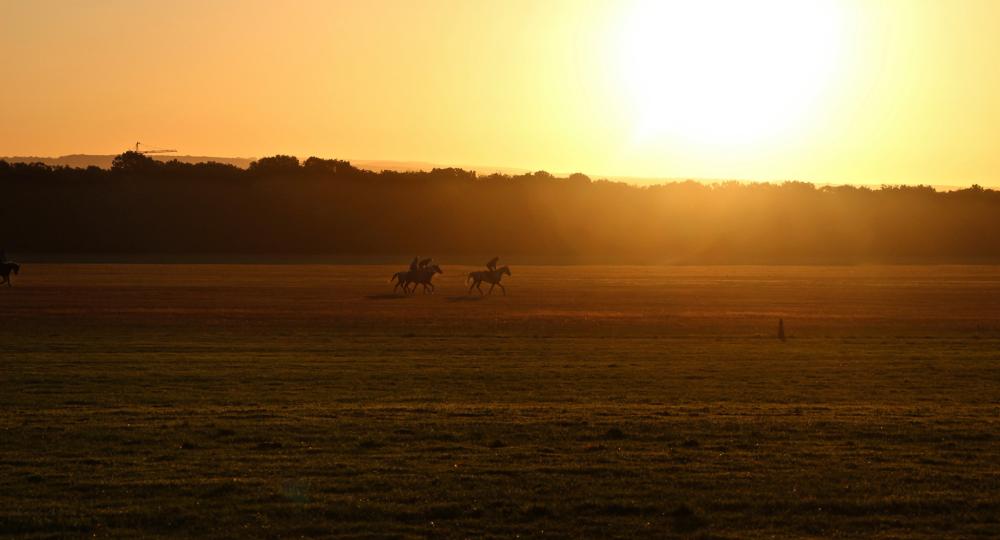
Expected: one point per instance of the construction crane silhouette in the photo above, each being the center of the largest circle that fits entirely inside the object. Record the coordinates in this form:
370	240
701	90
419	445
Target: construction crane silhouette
156	151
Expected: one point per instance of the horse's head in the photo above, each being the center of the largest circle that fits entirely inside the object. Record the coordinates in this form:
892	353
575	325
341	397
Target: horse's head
437	269
505	270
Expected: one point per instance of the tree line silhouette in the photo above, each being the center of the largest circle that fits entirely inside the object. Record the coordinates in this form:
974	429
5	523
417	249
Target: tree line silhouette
279	206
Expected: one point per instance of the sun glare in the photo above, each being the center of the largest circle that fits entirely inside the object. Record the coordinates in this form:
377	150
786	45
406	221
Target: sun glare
727	72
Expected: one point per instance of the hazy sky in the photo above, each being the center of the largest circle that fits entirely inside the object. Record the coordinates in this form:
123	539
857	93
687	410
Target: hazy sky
867	91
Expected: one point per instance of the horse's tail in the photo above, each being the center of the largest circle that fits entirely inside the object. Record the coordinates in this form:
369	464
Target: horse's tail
394	277
471	277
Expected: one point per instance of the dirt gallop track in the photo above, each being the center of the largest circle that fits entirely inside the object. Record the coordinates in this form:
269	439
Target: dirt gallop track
591	401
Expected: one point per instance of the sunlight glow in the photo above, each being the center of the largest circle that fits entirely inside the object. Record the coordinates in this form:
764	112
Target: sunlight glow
727	72
829	91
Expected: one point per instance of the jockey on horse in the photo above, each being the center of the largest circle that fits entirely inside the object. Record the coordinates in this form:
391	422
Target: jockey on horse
491	276
421	272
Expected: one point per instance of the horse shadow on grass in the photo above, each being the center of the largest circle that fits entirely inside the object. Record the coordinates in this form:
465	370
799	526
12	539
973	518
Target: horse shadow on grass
466	298
386	296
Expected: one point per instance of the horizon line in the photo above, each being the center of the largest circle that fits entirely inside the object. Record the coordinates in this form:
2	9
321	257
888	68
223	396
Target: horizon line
404	165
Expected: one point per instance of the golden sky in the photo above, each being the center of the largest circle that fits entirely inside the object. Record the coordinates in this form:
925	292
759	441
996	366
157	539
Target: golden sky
863	91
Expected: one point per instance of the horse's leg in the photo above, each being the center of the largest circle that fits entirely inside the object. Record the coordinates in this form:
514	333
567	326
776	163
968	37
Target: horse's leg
502	288
491	287
470	287
479	287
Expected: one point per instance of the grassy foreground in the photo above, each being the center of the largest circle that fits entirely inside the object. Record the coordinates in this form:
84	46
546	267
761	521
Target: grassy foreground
305	401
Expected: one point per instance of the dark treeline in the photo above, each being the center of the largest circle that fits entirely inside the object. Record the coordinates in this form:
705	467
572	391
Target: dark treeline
279	206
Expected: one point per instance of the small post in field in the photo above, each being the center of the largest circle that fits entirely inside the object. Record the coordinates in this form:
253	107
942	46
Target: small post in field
781	329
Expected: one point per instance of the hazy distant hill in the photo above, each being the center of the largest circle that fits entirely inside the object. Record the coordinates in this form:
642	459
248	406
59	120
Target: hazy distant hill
377	165
87	160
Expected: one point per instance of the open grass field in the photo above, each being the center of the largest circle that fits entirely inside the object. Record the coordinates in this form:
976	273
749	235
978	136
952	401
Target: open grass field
306	401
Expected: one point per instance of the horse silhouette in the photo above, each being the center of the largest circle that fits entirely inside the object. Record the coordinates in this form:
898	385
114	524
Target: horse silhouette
492	277
421	276
5	269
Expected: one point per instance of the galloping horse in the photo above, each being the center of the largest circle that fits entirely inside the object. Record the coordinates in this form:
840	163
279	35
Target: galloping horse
423	276
5	270
420	276
489	276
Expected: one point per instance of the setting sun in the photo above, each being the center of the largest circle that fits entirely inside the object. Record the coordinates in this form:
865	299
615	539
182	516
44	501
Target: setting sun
724	72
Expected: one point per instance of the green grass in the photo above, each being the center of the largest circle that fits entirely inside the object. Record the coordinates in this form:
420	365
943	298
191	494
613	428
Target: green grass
291	401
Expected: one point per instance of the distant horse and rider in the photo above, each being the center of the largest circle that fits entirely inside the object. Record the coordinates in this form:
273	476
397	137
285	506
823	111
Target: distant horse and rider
6	267
491	275
421	273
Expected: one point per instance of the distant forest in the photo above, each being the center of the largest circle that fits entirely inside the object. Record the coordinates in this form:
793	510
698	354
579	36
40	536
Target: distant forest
281	207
